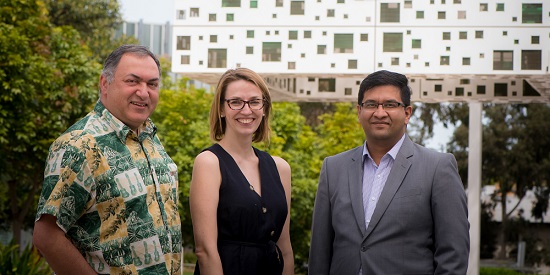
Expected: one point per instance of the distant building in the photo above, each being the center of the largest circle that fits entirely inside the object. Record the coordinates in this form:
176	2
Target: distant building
536	229
157	37
523	208
451	50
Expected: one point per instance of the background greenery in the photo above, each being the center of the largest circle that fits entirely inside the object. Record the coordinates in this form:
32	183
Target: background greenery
50	56
16	261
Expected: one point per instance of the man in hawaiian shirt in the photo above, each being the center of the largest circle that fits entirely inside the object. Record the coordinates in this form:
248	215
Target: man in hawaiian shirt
109	199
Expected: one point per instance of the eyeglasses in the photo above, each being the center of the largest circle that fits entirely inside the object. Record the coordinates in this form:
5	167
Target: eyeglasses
388	105
238	104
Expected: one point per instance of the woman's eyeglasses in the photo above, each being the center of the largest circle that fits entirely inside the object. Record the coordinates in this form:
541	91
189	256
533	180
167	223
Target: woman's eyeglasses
238	104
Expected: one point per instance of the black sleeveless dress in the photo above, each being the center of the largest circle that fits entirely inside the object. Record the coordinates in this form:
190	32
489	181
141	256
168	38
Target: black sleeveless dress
249	225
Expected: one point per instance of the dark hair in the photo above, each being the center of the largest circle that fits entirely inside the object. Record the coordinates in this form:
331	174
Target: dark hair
382	78
111	62
217	122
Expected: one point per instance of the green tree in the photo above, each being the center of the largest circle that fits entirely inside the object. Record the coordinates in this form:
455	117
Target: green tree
515	154
426	115
536	139
182	119
340	131
506	158
293	140
95	20
49	80
457	115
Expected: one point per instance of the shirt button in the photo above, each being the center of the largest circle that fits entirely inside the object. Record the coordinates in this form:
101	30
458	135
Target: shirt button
373	198
251	187
378	176
264	210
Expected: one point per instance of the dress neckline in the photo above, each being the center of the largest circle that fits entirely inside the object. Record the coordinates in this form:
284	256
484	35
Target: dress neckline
250	187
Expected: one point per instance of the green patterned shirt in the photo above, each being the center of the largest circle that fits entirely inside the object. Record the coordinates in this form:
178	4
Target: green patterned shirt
115	196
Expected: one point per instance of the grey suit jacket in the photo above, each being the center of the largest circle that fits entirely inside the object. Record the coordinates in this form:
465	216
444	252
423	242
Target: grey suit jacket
419	226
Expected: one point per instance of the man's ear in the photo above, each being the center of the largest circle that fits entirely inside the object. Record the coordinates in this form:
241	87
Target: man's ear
103	83
408	113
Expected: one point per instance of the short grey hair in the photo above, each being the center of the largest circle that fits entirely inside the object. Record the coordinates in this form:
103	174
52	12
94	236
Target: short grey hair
111	63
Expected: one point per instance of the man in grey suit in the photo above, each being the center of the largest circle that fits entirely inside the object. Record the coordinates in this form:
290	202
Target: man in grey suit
389	206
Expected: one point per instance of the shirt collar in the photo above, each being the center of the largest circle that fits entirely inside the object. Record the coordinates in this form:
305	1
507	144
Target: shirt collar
392	152
147	129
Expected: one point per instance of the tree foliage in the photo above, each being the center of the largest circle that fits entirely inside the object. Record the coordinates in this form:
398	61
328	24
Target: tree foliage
340	131
515	156
293	140
182	120
49	80
95	20
15	261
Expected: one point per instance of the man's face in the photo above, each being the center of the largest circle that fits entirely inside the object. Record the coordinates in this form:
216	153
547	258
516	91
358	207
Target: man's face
383	125
133	94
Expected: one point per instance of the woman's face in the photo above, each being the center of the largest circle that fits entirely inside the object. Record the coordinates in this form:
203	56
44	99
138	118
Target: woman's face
243	122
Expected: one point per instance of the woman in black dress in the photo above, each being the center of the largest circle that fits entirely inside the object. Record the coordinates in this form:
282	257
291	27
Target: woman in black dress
239	195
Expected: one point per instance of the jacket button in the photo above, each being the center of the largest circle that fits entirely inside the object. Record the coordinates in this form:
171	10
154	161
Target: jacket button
264	210
363	248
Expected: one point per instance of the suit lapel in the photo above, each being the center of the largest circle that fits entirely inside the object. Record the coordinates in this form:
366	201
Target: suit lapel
395	178
355	182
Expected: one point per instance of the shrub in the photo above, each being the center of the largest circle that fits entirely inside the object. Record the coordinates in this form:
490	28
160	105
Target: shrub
497	271
29	262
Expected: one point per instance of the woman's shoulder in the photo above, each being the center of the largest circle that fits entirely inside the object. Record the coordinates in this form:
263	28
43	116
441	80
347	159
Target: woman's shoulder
206	157
280	161
282	165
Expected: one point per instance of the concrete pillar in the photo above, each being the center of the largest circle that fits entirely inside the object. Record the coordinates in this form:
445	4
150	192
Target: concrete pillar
474	184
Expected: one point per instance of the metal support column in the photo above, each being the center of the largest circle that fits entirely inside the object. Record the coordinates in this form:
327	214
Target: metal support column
474	184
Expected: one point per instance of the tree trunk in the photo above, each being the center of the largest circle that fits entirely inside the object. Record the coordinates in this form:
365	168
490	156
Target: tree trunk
20	207
503	227
15	225
16	230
